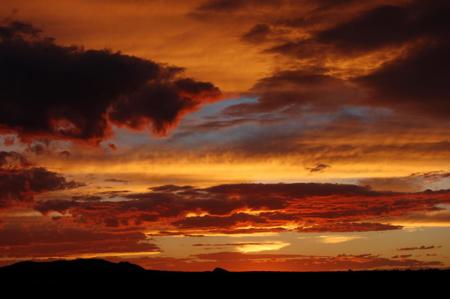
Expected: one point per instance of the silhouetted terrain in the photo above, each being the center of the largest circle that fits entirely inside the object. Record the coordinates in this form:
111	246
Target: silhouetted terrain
98	271
84	278
71	267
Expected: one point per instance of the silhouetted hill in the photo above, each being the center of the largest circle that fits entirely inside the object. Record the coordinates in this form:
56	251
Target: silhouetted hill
108	276
78	266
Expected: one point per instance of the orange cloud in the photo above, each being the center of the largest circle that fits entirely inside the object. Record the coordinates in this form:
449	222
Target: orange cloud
50	241
247	208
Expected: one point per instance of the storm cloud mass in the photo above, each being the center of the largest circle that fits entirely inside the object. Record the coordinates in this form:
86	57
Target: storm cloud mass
71	93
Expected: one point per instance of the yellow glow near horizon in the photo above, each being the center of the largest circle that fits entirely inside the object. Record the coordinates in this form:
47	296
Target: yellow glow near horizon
337	239
206	173
269	246
113	254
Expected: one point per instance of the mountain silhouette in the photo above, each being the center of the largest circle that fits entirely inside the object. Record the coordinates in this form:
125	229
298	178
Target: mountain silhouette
106	277
78	266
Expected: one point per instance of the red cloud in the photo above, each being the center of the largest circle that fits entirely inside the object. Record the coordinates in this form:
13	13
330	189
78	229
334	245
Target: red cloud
47	241
423	247
249	208
20	183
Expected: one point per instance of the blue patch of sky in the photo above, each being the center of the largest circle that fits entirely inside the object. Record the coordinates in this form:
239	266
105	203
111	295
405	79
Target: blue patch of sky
287	125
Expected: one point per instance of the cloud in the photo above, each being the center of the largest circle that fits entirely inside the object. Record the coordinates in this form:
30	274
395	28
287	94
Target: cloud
9	140
370	28
17	29
348	226
230	6
250	208
221	5
420	74
258	34
12	160
218	221
296	91
247	247
61	92
393	55
349	86
318	168
423	247
415	182
51	241
19	182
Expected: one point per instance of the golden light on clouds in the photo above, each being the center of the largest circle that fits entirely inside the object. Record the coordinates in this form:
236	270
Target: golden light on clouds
266	246
337	239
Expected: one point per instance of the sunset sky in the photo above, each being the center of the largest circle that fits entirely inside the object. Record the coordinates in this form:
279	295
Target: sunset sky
287	135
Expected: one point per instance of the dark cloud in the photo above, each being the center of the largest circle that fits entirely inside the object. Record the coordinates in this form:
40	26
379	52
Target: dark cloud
19	182
22	185
55	205
73	93
157	103
52	241
12	160
417	82
251	208
218	222
296	190
296	91
171	188
222	5
349	227
227	6
112	146
329	4
232	244
402	256
411	79
236	6
374	28
423	247
17	29
318	168
258	34
432	175
415	182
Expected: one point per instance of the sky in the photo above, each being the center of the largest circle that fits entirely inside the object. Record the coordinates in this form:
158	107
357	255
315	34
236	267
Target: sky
276	135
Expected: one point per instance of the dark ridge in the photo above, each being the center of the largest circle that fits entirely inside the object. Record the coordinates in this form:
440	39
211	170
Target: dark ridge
220	270
87	266
80	266
87	275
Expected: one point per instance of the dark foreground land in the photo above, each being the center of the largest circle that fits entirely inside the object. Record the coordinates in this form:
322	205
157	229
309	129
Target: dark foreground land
96	274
